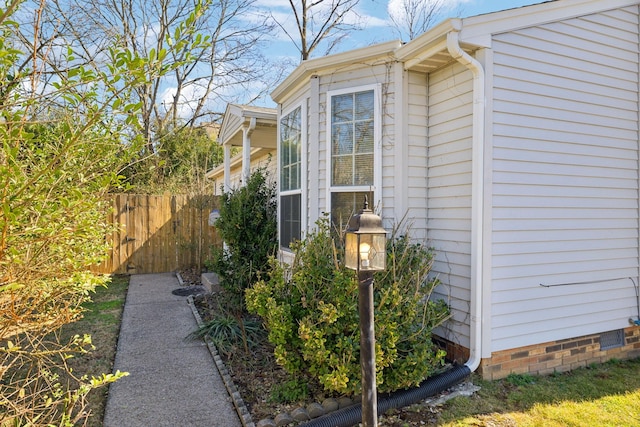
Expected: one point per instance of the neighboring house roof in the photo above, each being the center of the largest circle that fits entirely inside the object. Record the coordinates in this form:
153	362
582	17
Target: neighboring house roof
237	117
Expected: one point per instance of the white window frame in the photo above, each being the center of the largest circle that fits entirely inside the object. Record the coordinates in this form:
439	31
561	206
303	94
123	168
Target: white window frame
303	172
376	188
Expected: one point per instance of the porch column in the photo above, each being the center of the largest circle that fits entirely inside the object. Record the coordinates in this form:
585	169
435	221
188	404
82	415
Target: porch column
227	168
246	150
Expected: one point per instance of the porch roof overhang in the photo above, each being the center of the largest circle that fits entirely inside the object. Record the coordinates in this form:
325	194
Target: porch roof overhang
238	117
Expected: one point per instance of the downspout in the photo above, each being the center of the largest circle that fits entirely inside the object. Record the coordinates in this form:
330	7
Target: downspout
477	191
351	415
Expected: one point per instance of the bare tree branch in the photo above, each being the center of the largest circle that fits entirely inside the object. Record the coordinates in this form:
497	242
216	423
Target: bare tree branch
320	22
410	18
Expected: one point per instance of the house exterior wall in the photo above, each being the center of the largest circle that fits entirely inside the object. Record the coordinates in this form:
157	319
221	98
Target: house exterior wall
448	200
565	179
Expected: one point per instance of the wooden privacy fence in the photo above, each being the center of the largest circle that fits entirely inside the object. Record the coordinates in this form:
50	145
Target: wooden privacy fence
158	234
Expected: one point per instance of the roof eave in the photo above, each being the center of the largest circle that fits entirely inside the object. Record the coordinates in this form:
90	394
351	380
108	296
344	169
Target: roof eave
320	65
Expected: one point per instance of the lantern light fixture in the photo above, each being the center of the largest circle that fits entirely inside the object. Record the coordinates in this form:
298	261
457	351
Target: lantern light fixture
365	242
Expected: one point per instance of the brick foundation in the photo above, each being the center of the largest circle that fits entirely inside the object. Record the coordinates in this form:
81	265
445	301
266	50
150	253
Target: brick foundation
547	358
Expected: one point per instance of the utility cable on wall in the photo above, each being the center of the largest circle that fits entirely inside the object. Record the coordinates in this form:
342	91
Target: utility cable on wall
635	321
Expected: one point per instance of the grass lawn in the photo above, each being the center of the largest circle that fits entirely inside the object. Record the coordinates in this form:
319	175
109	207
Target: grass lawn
102	321
599	395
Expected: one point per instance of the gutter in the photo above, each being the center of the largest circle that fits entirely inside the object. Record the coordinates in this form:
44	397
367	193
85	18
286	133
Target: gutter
352	415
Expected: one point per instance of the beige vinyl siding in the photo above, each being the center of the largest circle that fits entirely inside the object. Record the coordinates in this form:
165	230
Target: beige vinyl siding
565	179
417	155
233	123
449	190
310	207
389	154
321	145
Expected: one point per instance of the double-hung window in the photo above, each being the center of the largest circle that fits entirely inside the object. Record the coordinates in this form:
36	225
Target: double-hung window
353	128
291	174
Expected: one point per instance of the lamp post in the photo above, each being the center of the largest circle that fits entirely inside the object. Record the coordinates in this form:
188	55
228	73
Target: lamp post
366	252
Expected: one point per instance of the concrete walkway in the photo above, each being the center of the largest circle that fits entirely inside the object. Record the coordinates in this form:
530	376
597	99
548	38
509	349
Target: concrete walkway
172	381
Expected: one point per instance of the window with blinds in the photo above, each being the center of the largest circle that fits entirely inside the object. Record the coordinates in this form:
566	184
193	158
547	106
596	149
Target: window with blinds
352	153
352	135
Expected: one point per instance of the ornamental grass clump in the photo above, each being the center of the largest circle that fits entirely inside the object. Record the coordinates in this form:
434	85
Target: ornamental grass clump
310	310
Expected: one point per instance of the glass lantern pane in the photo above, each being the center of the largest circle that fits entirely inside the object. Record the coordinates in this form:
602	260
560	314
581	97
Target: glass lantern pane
351	251
378	252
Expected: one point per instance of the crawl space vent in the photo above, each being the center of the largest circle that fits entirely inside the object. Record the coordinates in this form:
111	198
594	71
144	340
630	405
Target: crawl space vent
612	339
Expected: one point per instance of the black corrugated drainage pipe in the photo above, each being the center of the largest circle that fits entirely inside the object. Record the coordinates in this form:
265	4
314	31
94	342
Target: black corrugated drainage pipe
350	416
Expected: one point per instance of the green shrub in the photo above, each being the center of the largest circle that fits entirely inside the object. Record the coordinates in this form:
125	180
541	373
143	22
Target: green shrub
310	310
247	225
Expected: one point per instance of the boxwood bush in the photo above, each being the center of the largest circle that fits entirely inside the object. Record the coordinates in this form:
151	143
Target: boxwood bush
310	310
